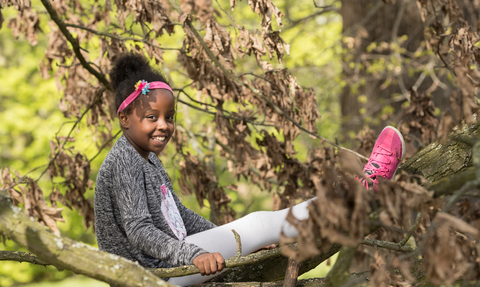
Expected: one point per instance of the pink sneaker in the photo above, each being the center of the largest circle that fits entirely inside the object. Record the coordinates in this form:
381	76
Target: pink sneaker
387	154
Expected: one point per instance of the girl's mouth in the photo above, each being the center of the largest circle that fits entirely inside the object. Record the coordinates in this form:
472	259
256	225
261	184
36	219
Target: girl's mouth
159	139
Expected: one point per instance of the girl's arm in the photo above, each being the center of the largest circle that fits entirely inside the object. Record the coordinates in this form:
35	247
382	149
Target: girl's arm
129	191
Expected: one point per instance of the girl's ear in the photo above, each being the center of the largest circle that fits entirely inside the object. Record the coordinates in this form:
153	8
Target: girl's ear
123	118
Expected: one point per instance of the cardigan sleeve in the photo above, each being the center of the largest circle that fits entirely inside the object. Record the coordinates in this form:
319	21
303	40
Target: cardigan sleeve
130	193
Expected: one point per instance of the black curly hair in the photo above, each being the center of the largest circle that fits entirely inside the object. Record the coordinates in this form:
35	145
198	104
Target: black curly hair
126	72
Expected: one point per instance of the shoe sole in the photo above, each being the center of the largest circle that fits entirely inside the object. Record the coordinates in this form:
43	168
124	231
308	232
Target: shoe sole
403	145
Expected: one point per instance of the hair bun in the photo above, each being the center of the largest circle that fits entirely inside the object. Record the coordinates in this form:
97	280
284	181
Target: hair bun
127	65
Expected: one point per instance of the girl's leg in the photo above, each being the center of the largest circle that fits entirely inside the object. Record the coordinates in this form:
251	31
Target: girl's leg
256	230
262	228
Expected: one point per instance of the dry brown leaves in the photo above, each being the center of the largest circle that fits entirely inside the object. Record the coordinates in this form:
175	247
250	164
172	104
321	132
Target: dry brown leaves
259	44
202	9
367	140
148	11
419	122
259	166
26	23
399	198
460	54
339	213
265	9
199	179
74	168
29	195
449	250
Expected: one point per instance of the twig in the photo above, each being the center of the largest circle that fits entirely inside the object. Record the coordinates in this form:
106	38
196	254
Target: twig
60	147
326	9
120	38
21	257
104	145
226	116
411	231
239	245
291	274
388	245
182	90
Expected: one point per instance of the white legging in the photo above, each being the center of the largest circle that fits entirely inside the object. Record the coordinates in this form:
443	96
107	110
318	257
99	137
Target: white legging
256	230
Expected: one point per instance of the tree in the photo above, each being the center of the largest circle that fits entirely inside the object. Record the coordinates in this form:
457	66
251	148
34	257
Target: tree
259	111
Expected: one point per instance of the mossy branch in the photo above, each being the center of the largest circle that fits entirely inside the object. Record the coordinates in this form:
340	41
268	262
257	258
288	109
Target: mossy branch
65	253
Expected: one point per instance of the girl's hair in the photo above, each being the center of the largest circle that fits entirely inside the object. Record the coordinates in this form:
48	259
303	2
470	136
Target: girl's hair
126	72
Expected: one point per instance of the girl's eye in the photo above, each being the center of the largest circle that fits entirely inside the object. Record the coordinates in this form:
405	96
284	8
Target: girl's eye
151	117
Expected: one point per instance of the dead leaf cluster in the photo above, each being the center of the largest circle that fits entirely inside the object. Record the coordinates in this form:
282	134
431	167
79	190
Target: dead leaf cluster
29	195
74	169
419	123
458	51
450	251
340	212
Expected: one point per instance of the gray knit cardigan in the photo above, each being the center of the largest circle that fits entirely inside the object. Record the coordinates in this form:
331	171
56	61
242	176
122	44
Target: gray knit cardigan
128	218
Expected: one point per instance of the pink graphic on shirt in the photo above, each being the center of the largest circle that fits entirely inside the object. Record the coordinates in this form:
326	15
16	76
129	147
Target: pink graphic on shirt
172	215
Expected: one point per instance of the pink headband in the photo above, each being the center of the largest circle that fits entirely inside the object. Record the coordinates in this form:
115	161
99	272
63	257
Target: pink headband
142	87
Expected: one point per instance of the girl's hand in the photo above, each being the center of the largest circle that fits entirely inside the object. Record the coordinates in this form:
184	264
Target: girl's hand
207	263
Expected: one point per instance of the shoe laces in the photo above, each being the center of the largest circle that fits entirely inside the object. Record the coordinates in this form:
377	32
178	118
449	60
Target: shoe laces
372	169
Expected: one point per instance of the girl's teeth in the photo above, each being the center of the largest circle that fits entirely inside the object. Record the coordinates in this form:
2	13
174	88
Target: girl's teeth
159	138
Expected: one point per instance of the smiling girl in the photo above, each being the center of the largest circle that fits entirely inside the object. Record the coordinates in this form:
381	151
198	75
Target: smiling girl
137	214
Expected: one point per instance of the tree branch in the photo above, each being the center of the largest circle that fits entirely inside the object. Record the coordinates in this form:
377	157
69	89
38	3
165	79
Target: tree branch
21	257
76	47
104	145
68	254
388	245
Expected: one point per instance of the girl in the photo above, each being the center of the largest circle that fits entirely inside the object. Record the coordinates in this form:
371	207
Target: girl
137	214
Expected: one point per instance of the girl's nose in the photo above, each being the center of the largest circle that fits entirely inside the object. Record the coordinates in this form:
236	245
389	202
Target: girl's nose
162	124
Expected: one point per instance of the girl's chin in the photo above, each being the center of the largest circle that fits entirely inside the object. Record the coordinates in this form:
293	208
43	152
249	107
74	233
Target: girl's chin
157	146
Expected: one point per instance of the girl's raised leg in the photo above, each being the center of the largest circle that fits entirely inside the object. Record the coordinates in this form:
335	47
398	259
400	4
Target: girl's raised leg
256	230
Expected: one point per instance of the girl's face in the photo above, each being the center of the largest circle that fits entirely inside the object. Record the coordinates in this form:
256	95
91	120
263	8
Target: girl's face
150	125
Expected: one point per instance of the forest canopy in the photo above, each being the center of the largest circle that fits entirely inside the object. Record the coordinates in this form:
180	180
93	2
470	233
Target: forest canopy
277	102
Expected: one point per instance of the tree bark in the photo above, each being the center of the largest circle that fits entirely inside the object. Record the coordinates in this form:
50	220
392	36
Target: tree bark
65	253
291	274
443	159
272	269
